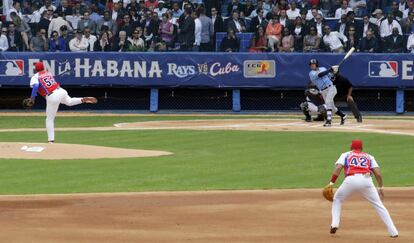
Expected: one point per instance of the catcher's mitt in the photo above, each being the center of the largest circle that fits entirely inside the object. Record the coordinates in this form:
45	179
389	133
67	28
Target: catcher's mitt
28	103
328	192
311	92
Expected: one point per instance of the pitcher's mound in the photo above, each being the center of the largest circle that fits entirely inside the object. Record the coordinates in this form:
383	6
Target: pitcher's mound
70	151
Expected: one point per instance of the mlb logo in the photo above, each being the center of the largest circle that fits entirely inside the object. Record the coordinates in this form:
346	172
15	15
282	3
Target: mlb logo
11	68
383	69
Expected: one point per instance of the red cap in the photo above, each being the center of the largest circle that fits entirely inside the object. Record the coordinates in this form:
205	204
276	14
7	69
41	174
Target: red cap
356	144
39	66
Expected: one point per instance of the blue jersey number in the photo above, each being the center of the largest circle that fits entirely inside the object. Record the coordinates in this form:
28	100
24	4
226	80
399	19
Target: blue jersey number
359	162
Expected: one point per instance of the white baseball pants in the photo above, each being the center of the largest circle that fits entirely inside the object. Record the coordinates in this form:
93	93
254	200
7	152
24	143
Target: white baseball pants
328	96
364	185
59	96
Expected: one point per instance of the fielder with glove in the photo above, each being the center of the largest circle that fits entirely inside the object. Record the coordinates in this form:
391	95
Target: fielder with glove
28	103
359	166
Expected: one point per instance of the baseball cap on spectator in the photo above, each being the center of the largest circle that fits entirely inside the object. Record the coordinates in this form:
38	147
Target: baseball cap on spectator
377	11
161	1
39	66
63	28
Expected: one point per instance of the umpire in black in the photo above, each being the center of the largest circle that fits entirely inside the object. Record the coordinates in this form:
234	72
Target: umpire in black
344	93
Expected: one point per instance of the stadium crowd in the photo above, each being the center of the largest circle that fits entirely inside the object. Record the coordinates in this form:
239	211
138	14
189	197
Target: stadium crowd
191	25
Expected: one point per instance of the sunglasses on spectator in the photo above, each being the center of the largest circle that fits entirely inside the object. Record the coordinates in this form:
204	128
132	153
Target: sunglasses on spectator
351	30
42	33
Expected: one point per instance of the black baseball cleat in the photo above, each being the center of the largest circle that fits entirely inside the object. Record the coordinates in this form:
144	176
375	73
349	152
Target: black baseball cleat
333	230
359	119
343	118
394	236
327	124
308	119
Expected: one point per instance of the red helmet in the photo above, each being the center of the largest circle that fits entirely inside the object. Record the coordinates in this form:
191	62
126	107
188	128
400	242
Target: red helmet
356	144
39	66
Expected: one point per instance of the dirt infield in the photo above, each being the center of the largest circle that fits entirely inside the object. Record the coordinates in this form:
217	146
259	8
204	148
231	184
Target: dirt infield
59	151
216	216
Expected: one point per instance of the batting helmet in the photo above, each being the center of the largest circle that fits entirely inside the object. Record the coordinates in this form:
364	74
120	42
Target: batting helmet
39	66
313	61
356	144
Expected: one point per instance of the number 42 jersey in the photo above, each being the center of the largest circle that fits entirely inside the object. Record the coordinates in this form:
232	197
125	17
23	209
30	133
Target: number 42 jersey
356	162
46	81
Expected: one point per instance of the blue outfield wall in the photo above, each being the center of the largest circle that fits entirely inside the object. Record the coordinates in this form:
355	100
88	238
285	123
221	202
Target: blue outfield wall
218	70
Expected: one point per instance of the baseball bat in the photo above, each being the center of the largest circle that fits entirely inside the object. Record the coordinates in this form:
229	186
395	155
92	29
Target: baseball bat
347	55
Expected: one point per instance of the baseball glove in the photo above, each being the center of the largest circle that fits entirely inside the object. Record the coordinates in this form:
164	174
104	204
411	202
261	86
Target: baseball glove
311	91
328	192
28	103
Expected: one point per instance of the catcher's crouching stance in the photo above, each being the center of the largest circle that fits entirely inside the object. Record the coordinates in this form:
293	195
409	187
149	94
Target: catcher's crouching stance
314	105
358	169
44	83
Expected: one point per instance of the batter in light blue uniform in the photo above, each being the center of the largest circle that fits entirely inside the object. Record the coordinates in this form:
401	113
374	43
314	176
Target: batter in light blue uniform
321	77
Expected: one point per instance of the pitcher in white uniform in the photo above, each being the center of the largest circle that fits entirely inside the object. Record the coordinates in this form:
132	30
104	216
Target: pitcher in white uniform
358	167
44	84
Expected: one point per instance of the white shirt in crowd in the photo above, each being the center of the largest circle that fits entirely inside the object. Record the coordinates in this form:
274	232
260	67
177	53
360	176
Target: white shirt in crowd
197	31
160	12
340	11
77	45
333	40
357	3
386	28
91	40
292	14
56	23
44	8
35	17
11	10
4	43
410	43
319	27
310	16
405	13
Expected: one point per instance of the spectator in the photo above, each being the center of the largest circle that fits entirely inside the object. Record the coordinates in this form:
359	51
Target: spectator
341	25
14	9
15	38
274	32
259	6
187	28
318	24
121	44
197	32
35	17
186	4
402	6
133	14
39	42
64	8
79	43
344	9
283	19
410	9
64	33
352	22
103	44
166	31
230	43
160	10
298	33
4	43
267	6
332	40
176	11
79	9
287	43
378	18
151	4
359	7
234	5
154	24
127	25
257	21
117	13
398	15
56	43
132	5
368	25
27	8
293	12
56	23
109	24
45	20
23	28
48	5
407	24
259	41
410	43
137	43
86	22
353	39
95	15
313	12
236	23
369	43
207	30
89	37
248	8
388	25
331	6
394	43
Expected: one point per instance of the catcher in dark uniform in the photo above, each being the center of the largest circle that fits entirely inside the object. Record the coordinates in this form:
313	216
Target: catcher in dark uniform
314	105
344	93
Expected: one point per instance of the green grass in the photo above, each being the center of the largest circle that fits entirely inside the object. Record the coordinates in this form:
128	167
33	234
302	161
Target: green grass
8	122
202	160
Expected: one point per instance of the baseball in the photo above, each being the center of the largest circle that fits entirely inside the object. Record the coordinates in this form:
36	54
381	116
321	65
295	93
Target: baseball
24	148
